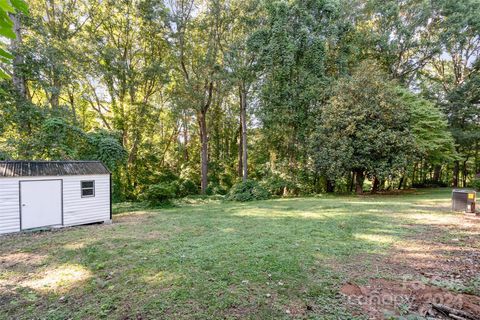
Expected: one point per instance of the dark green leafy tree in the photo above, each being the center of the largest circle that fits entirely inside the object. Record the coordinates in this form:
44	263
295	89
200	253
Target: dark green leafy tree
434	144
463	109
8	8
363	129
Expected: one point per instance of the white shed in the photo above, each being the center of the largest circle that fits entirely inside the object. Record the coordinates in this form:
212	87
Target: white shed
36	194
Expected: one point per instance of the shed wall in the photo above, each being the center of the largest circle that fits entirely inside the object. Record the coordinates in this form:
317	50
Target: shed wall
9	206
76	210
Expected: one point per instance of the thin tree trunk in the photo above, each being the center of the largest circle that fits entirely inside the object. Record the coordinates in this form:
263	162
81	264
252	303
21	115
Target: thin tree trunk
330	186
464	173
18	79
400	183
204	153
352	181
456	171
72	106
436	173
414	171
359	179
240	150
185	137
243	117
55	95
375	185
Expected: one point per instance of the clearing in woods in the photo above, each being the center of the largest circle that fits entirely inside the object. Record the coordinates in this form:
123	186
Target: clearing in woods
328	257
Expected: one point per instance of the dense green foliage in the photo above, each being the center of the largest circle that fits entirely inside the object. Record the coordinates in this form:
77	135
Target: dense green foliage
248	191
364	129
301	96
476	184
8	7
160	193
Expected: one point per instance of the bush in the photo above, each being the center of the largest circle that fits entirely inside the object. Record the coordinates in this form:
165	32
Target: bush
430	184
216	189
248	191
276	185
476	184
187	187
160	193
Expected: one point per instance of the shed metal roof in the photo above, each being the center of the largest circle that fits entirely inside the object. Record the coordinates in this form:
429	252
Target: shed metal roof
51	168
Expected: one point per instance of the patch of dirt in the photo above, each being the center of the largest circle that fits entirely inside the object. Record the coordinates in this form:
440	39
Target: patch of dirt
447	252
8	261
131	218
443	252
379	297
440	262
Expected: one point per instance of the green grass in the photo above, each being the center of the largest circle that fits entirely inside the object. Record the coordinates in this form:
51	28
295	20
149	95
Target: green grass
269	259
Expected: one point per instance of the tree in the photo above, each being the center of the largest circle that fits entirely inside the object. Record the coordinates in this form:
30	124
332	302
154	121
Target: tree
463	109
433	141
240	61
364	128
8	9
445	77
400	35
174	87
291	47
199	36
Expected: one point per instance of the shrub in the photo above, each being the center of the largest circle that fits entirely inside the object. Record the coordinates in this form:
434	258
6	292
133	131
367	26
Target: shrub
430	184
216	189
476	184
160	193
187	187
248	191
277	185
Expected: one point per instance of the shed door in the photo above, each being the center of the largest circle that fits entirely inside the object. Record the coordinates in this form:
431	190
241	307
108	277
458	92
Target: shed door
41	203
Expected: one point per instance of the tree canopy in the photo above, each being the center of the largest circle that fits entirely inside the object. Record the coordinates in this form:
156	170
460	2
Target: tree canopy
7	8
188	97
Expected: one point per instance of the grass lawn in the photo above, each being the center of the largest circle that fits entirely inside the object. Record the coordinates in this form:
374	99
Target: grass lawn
285	258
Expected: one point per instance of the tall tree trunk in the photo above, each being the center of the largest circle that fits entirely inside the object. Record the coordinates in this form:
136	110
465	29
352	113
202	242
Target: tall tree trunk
243	118
240	150
330	186
456	172
185	137
55	94
375	185
352	181
18	78
414	171
436	173
400	183
204	153
71	98
359	179
464	173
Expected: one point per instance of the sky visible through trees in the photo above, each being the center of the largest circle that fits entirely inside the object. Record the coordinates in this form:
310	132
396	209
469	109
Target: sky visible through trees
182	97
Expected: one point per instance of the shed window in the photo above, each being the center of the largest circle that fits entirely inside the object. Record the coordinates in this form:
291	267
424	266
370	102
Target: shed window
88	189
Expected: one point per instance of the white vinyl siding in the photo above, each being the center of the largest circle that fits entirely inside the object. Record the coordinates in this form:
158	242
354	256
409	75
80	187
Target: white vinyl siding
76	210
9	206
